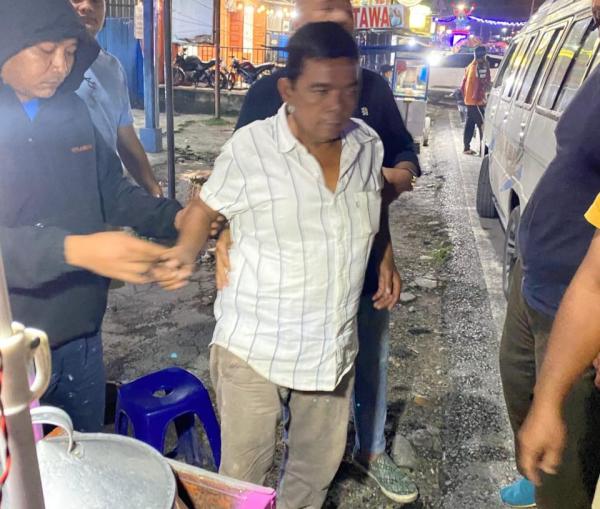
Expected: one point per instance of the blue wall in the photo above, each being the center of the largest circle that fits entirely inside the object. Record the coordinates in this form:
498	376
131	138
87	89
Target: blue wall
117	37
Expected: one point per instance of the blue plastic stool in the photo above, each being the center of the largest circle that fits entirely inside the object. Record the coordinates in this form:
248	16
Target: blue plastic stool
150	414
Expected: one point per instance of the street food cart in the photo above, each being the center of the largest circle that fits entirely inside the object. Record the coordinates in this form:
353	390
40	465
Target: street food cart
70	470
410	84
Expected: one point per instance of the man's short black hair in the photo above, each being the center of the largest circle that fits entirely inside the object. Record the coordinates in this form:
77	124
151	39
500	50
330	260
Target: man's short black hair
324	40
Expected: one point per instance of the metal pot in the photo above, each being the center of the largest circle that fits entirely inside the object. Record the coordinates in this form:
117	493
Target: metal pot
100	471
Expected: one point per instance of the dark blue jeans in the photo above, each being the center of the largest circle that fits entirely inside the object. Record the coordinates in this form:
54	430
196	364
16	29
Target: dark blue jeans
78	382
370	387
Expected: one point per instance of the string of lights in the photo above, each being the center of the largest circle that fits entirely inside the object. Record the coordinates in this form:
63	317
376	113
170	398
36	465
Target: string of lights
476	19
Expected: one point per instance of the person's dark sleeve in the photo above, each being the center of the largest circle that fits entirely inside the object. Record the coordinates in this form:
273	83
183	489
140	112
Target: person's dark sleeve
125	204
33	255
397	141
261	102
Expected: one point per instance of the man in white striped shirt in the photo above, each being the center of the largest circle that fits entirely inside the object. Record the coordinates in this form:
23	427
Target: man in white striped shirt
302	191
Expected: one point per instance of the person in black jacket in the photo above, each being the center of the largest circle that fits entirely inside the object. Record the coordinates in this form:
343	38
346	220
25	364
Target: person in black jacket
60	185
378	109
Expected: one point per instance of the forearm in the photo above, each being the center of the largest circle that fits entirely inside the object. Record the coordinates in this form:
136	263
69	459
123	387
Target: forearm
383	238
575	338
195	227
399	179
136	161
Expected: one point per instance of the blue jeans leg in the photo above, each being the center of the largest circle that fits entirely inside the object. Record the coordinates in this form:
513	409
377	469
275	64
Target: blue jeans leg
370	389
78	382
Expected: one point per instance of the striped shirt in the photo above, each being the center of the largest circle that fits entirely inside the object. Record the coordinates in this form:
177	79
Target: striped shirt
299	251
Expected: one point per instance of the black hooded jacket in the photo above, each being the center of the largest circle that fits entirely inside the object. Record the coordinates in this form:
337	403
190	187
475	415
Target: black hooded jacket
58	178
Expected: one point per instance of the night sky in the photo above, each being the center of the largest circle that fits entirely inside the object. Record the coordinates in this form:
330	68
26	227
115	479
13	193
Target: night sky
503	9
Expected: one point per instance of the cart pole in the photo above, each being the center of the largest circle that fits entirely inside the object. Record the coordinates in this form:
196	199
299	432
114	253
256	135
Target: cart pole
23	489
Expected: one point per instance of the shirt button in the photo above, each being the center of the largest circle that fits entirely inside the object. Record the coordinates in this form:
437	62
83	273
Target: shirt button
39	225
30	140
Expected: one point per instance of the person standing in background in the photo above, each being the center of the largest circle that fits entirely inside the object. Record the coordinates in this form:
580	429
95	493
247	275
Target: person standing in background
475	87
105	92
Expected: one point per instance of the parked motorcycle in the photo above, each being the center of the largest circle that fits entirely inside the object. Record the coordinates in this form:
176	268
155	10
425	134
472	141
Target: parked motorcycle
193	70
246	72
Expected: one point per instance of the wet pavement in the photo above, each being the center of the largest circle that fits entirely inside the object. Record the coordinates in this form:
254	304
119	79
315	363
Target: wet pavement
444	388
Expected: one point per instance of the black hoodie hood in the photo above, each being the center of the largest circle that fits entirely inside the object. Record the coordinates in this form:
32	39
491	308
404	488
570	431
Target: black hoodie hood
24	23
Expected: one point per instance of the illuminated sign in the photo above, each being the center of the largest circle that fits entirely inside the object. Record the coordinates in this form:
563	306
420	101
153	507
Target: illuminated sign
378	17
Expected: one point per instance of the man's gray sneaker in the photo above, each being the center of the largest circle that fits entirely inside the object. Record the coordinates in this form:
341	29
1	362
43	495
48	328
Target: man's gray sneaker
393	481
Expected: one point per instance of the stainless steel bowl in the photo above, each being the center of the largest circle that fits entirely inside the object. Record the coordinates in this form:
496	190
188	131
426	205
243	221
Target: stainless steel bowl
100	471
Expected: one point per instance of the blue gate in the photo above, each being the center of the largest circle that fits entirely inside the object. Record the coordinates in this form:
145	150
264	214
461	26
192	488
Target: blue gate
117	37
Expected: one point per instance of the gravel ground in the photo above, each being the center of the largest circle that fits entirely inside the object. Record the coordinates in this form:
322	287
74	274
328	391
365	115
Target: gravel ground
444	390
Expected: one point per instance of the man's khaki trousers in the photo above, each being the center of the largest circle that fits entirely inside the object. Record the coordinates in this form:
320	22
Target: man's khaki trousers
315	427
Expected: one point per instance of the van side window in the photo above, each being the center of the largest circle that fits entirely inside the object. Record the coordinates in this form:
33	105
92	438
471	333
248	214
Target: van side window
523	57
542	55
576	73
509	60
562	64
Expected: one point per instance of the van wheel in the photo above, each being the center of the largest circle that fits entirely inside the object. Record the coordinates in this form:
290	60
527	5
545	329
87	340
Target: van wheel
485	197
511	249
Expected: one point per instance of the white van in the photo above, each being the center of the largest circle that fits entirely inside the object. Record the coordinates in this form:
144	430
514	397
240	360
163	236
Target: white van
544	67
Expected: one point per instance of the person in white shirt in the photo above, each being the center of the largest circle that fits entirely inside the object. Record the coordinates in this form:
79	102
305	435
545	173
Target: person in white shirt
302	192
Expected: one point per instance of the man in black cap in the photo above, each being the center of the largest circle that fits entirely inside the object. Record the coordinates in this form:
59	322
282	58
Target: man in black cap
60	185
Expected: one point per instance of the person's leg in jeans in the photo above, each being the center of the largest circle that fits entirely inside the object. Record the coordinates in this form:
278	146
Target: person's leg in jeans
249	408
370	405
316	430
78	382
370	388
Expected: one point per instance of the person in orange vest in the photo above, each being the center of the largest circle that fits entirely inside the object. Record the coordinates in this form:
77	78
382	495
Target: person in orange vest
475	86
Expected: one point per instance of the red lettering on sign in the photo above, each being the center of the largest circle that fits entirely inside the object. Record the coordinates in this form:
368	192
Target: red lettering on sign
364	21
385	19
374	17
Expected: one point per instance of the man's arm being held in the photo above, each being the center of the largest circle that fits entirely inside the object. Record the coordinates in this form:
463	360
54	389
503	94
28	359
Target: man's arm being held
573	345
193	233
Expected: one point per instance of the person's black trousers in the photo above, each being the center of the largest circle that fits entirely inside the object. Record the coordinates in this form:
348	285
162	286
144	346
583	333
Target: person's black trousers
475	116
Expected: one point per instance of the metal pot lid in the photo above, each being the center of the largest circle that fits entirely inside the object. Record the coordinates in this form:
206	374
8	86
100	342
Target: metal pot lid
100	471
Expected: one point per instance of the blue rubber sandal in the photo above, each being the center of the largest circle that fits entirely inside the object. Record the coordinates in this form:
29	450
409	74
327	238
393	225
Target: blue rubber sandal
519	494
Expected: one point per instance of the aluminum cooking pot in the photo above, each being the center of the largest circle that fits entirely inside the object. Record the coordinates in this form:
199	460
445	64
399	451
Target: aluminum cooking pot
100	471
